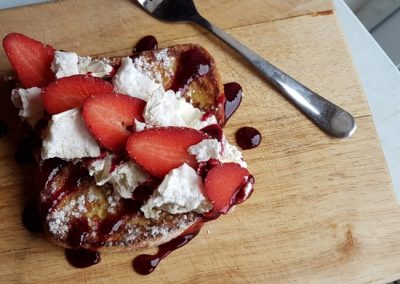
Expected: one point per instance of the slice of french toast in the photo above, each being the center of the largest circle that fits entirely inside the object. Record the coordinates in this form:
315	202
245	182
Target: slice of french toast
78	213
133	152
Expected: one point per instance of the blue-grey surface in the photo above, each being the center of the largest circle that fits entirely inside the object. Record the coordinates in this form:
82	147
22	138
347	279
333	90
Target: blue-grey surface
14	3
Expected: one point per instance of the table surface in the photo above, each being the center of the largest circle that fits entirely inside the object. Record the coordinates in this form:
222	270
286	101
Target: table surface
321	211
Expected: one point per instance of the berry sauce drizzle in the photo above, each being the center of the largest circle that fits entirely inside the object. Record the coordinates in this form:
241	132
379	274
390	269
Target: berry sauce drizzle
233	94
192	64
144	264
31	217
248	138
3	129
26	147
82	258
146	43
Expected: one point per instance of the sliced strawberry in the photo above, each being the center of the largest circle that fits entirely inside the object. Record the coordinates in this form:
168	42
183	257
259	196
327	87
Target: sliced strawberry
30	58
222	184
70	92
159	150
109	116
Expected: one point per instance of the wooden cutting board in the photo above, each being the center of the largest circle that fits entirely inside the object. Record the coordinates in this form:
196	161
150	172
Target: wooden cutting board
323	210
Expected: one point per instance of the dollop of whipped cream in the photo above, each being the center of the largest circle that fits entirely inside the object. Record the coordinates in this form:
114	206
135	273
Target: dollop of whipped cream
213	149
66	64
125	178
180	191
30	104
130	81
67	137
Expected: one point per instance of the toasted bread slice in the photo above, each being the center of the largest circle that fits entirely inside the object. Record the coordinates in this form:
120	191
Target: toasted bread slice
79	214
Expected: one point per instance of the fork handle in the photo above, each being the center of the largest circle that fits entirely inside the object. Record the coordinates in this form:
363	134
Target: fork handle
326	115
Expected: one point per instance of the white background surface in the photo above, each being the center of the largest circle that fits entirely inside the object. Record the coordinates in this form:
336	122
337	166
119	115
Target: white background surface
379	77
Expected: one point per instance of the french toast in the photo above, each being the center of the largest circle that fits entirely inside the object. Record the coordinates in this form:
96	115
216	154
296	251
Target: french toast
87	203
133	153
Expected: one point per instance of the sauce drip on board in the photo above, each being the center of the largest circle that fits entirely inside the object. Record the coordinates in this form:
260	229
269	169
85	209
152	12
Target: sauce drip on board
3	129
31	217
82	258
248	138
145	263
233	94
146	43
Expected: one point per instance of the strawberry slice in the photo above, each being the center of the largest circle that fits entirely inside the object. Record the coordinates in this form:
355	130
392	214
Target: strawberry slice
159	150
70	92
109	116
222	183
30	58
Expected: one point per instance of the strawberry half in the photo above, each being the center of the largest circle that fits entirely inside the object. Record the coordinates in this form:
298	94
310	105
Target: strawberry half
222	183
108	116
159	150
30	58
70	92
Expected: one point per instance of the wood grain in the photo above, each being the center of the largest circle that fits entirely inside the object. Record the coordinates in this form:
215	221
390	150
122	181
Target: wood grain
323	210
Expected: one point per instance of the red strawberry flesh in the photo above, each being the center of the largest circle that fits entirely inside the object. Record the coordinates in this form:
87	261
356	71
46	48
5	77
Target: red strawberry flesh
160	150
222	183
108	117
70	92
30	58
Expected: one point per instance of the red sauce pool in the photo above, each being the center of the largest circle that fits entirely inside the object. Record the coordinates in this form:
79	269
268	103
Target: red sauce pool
81	258
248	138
146	43
233	94
3	129
31	217
144	264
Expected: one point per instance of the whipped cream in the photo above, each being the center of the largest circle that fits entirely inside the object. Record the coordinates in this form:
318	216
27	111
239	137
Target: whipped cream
170	109
231	154
213	149
100	169
30	104
140	126
179	192
66	64
94	67
131	81
206	149
126	178
67	137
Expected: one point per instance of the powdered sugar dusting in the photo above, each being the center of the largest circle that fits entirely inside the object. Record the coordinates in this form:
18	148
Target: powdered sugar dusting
162	58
